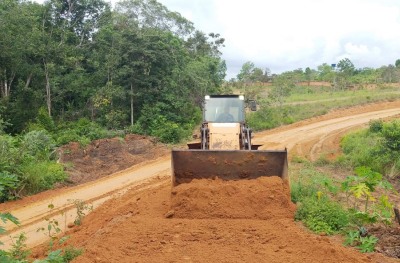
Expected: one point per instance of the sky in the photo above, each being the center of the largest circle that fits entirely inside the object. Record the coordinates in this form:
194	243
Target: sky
284	35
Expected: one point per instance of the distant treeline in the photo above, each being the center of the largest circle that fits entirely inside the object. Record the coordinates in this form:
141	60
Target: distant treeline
341	75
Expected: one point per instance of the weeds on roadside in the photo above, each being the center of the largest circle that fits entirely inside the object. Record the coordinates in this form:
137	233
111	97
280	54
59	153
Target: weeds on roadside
52	232
52	229
363	243
313	191
81	208
322	215
19	249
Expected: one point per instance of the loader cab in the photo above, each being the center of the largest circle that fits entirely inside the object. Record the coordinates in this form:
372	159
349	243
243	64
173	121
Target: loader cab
217	106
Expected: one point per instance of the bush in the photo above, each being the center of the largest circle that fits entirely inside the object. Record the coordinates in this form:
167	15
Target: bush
375	126
311	183
377	148
38	144
67	136
40	176
8	153
163	125
83	131
322	215
364	148
44	121
391	135
8	185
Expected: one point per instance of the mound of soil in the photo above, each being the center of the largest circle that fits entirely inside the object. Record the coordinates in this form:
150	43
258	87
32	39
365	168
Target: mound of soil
106	156
261	198
133	228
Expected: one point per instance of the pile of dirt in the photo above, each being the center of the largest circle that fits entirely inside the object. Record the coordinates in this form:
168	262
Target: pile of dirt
133	228
261	198
106	156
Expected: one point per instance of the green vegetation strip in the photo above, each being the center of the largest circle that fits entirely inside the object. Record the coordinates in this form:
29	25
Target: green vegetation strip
348	205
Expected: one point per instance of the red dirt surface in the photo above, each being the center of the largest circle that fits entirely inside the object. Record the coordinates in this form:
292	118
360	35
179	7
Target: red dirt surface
106	156
262	198
147	225
134	228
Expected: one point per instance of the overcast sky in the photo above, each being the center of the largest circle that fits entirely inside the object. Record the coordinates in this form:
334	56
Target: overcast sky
289	34
284	35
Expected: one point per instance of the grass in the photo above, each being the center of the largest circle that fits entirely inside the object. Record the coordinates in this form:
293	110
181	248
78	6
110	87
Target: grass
320	101
306	94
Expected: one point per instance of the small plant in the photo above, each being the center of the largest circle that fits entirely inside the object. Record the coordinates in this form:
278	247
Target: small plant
363	243
81	208
70	253
7	217
8	186
367	244
4	255
19	248
322	215
375	125
52	229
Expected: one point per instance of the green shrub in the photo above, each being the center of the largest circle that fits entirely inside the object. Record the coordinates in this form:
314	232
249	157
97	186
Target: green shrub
363	148
363	243
170	132
8	186
377	148
309	183
67	136
322	215
375	125
40	176
166	127
391	135
44	121
38	144
83	131
8	152
115	118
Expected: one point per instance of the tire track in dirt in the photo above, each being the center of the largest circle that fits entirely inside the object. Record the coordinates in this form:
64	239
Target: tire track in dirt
298	138
313	135
33	216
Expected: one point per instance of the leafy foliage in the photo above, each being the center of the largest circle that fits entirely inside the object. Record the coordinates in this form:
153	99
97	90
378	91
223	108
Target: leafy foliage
363	243
376	148
40	176
8	185
322	215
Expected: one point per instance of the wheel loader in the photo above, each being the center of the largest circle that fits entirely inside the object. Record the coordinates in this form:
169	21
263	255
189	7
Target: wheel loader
225	149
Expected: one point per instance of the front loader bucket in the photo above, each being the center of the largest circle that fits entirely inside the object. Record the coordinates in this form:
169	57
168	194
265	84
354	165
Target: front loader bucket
227	165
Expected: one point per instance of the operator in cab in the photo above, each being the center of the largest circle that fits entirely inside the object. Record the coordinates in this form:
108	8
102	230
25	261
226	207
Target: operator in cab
225	116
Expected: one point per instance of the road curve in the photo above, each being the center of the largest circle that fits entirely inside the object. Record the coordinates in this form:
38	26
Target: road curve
295	138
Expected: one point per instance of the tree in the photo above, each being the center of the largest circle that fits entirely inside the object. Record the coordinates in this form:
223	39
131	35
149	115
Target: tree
389	73
281	89
308	74
346	70
325	72
19	27
397	63
246	71
346	66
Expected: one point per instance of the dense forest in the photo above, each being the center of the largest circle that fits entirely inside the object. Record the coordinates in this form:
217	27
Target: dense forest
139	67
136	66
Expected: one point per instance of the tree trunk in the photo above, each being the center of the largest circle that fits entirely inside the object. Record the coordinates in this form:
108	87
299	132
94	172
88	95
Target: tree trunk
6	84
131	104
28	81
48	91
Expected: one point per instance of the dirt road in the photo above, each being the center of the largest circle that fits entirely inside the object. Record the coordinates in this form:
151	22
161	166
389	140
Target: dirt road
138	198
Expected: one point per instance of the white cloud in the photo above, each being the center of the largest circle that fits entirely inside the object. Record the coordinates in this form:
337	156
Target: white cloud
288	34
